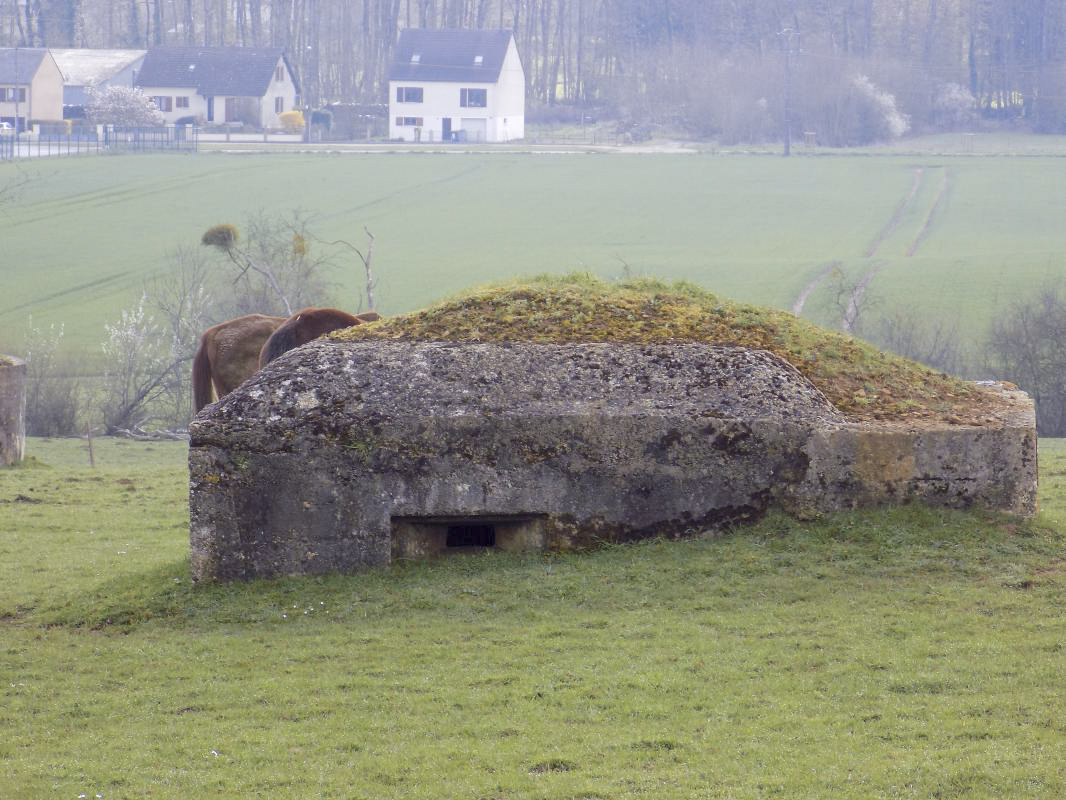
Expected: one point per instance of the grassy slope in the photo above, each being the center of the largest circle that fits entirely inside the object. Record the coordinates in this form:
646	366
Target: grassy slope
911	653
86	232
857	378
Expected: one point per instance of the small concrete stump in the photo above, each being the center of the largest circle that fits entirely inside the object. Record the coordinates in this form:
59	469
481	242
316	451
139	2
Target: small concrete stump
345	455
12	410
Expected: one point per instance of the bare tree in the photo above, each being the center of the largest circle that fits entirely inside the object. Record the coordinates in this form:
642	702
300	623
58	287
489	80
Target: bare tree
53	390
365	259
1025	346
138	360
933	342
277	267
186	302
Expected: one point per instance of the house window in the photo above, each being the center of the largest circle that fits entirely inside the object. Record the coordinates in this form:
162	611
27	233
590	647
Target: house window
7	95
473	98
181	102
279	74
408	94
163	103
409	122
279	105
479	61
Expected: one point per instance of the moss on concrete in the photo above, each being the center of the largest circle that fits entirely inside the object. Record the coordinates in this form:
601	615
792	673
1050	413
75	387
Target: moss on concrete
863	382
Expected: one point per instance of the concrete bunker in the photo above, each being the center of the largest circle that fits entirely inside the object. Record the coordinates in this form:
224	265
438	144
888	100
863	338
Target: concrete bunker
344	455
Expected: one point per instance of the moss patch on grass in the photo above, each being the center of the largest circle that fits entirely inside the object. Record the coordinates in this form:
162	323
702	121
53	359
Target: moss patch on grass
863	382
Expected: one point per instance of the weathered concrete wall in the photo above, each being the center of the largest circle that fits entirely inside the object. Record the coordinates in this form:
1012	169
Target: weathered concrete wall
310	466
12	410
991	466
344	455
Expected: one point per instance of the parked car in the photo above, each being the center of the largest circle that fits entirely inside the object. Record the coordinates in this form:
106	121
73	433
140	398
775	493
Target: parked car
7	129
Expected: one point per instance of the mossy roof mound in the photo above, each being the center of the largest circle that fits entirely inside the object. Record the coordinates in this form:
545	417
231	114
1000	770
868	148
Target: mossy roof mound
863	382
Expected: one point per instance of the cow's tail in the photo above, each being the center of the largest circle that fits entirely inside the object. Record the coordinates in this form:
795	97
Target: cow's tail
201	376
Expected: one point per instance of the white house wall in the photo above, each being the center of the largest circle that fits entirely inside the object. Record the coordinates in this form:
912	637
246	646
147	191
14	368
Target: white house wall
284	89
510	110
502	119
197	104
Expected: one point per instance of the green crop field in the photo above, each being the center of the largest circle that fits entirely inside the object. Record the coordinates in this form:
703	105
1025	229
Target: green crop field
906	654
953	237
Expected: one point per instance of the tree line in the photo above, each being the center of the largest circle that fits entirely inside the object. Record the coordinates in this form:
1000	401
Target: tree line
716	66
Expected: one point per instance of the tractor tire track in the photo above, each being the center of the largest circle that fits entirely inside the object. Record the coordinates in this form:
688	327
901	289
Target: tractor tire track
851	313
897	215
801	299
117	278
934	212
871	250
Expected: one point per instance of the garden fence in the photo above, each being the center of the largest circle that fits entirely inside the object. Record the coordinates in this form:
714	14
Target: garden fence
107	139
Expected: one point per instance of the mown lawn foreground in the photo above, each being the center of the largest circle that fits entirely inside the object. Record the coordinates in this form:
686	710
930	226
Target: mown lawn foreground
907	653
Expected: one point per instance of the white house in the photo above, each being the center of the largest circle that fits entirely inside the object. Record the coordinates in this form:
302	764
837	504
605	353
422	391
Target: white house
456	85
252	85
95	69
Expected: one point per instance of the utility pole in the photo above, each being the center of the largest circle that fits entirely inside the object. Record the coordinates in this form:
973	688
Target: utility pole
787	35
16	97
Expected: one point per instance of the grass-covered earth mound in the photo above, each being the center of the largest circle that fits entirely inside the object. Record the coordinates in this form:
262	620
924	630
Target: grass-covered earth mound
863	382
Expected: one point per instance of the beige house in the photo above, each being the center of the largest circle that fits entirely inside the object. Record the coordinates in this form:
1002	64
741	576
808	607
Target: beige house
31	87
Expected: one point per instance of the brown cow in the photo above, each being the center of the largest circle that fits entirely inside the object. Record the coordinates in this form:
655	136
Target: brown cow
308	324
229	354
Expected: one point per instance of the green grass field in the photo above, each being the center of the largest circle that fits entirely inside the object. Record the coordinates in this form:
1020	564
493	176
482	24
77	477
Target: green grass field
904	654
84	234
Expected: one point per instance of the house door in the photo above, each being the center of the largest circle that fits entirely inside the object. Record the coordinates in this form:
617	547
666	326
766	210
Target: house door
446	129
231	109
210	109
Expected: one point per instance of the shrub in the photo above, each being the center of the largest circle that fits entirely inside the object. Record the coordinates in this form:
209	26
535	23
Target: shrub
954	107
880	118
224	237
292	121
122	105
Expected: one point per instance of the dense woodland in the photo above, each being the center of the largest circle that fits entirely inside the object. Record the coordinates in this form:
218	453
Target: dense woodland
735	69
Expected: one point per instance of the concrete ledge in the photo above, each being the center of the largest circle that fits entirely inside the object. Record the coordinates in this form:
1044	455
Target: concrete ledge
992	466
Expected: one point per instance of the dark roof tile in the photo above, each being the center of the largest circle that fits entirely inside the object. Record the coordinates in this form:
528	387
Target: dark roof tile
449	55
230	71
28	60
